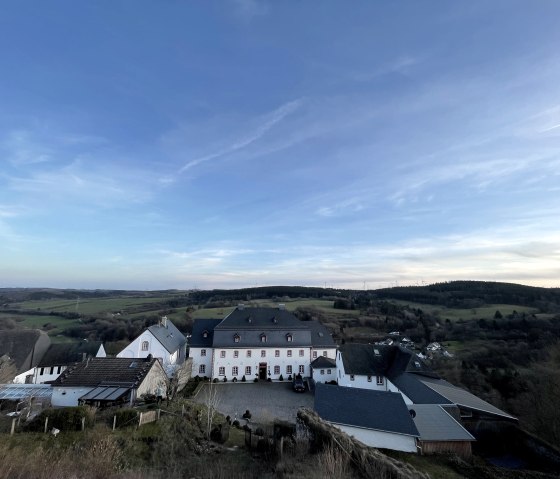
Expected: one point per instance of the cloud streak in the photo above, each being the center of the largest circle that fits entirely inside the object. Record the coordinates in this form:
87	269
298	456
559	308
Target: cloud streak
268	122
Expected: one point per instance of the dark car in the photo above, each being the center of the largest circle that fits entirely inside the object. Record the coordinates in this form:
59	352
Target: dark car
299	385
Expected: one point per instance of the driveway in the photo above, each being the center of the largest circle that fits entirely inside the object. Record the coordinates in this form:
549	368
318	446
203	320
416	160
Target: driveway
266	401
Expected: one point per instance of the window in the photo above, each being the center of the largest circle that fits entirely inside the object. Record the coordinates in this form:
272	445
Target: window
380	380
322	371
236	354
289	353
277	353
289	337
236	338
351	377
58	370
222	371
263	353
328	371
202	369
222	354
276	369
301	368
234	371
248	353
369	379
52	370
203	352
145	345
204	334
42	371
314	354
288	369
263	338
301	353
248	370
325	353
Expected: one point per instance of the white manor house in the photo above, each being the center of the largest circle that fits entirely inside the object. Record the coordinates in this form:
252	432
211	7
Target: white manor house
263	343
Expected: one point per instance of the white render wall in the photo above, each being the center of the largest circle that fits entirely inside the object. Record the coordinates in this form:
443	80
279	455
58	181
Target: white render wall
68	396
380	439
155	348
270	358
325	376
213	360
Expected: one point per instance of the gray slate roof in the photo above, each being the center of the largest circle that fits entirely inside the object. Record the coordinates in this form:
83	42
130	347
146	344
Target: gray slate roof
25	347
169	336
412	386
63	354
463	398
199	327
435	424
323	362
378	410
251	324
107	371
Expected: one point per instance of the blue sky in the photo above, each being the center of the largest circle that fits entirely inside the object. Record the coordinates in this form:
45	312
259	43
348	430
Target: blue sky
174	144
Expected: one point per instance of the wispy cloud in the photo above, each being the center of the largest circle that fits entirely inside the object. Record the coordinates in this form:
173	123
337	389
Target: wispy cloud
267	122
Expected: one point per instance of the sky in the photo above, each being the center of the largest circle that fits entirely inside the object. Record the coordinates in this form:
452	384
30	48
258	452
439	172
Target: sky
155	144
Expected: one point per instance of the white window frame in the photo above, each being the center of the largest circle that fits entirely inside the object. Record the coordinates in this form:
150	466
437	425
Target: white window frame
222	371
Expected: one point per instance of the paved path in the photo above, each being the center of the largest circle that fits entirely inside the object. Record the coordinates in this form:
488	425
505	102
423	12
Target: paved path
265	400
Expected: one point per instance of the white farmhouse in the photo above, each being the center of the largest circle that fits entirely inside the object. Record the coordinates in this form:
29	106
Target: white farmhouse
258	343
163	341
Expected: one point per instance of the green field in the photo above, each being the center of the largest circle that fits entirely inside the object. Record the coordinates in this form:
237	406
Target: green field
486	312
38	322
89	306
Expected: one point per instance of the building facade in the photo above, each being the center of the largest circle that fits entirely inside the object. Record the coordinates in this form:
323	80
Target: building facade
258	343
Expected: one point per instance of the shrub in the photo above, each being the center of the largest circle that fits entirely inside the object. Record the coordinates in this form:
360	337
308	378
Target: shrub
65	419
234	380
281	378
225	379
126	417
243	379
215	380
235	423
269	380
256	380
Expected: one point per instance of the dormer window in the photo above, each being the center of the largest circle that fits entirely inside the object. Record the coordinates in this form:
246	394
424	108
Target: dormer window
289	337
204	334
236	338
263	338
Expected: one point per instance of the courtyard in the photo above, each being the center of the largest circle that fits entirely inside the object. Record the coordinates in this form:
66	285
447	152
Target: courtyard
266	401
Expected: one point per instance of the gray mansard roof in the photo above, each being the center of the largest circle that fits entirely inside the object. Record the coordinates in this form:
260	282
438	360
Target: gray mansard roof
250	325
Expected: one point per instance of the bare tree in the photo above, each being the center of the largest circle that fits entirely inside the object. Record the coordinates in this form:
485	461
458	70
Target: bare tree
8	369
212	402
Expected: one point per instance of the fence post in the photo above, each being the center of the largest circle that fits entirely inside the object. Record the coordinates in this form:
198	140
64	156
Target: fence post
83	423
182	410
140	420
46	424
158	414
13	427
114	422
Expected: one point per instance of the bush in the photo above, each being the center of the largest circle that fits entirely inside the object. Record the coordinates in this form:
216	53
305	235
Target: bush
126	417
243	379
234	380
235	423
215	380
65	419
256	380
281	378
225	379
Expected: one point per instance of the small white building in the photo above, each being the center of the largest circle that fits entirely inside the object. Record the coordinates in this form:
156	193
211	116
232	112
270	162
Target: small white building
323	369
261	343
163	341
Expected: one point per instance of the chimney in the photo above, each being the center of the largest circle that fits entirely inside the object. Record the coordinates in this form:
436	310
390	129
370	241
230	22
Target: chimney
164	321
240	306
281	306
84	356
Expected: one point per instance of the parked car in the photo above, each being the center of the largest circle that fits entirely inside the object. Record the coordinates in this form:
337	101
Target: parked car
299	385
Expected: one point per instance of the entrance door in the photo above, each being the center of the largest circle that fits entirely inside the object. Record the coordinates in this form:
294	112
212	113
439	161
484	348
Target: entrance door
262	371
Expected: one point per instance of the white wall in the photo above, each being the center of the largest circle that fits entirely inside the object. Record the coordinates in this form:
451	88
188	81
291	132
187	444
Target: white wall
321	375
68	396
198	359
155	348
270	358
380	439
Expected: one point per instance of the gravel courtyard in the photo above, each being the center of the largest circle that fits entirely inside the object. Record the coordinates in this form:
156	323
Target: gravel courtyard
265	400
